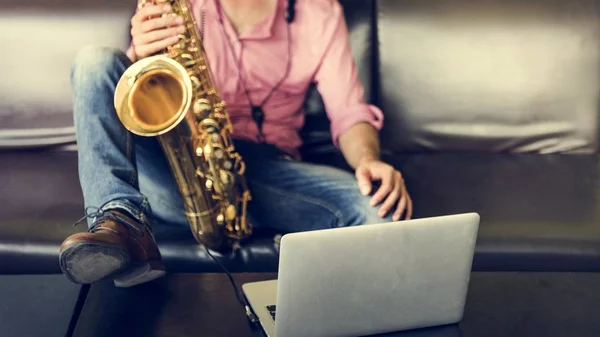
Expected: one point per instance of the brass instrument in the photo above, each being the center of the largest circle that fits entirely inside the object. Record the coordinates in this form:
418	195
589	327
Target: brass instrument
171	95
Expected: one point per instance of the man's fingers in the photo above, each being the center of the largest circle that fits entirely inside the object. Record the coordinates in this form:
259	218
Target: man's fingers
147	12
160	23
154	47
151	11
387	186
410	208
392	198
405	205
152	31
158	35
400	208
363	176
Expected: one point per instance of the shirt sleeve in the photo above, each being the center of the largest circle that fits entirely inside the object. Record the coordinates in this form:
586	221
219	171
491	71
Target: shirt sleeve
338	83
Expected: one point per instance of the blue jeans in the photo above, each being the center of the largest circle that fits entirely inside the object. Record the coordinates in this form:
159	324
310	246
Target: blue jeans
119	170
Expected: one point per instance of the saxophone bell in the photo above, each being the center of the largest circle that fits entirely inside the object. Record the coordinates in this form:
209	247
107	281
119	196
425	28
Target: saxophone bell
153	96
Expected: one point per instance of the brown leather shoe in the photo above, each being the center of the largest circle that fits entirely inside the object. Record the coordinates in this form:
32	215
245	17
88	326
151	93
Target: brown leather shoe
117	247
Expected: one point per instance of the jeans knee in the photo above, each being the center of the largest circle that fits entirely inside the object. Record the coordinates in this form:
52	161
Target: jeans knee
362	213
94	62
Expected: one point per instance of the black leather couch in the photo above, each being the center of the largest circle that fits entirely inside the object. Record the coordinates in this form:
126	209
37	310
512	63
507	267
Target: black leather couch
490	107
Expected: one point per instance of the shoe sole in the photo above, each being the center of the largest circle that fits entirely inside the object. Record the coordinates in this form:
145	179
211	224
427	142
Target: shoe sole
139	273
88	262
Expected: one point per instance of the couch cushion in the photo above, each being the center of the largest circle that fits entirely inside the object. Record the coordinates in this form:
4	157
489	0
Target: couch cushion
538	212
42	199
39	41
512	75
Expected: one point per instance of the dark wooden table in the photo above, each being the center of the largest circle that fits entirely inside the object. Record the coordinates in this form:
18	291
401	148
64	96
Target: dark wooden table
204	305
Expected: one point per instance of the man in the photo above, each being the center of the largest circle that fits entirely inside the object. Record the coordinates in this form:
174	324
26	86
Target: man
127	180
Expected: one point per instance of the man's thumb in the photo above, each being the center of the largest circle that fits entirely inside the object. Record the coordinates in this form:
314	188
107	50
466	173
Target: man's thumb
364	180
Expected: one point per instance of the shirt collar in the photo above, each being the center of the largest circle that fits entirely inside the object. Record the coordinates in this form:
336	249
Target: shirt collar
263	30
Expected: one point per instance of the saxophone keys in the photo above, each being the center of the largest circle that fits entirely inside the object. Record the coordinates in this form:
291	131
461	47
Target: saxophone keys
207	150
202	107
199	173
187	60
182	44
209	184
224	177
195	82
199	151
230	213
220	218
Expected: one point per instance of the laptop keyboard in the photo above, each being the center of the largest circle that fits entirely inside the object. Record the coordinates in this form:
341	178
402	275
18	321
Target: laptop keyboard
271	309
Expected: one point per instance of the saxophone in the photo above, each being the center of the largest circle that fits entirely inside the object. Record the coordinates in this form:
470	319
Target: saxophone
171	96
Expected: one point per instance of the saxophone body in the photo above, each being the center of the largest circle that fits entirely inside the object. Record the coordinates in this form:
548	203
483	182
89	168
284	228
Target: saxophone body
172	96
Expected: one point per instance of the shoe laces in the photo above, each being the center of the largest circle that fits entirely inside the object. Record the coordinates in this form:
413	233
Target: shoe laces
101	216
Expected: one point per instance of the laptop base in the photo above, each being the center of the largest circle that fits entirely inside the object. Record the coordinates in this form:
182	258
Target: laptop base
262	297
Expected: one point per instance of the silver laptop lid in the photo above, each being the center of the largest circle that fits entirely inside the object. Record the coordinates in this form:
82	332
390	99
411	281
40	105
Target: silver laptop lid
374	279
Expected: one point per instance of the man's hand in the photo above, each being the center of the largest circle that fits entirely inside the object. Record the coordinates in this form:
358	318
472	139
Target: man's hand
152	30
392	191
360	146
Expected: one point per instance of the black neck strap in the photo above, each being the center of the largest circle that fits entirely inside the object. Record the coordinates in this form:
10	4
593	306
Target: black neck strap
258	114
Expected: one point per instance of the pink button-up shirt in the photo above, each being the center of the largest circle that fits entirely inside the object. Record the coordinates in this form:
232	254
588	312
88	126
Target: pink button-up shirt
320	53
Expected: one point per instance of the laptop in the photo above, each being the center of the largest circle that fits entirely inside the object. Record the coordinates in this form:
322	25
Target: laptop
370	279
